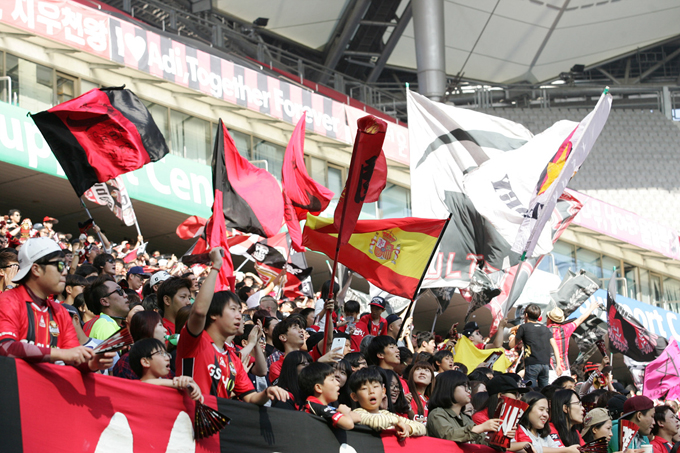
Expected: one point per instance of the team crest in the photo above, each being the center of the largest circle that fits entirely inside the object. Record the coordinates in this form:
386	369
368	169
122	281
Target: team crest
383	246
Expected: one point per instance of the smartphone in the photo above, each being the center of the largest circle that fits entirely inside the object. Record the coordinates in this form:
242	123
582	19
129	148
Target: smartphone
338	344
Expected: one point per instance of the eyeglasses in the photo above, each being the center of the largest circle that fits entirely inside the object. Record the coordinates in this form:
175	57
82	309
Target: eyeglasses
576	402
165	354
118	290
60	265
110	260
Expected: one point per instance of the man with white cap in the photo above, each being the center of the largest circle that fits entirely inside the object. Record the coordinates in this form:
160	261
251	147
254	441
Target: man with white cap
33	326
561	332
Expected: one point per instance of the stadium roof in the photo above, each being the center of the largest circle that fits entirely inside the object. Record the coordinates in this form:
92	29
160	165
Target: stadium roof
493	41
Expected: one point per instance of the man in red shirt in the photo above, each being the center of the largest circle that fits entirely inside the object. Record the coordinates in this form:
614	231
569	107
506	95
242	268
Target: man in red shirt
374	323
33	326
173	294
203	352
561	332
288	336
665	428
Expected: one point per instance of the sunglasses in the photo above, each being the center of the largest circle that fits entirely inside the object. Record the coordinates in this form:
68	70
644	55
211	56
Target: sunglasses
10	265
119	290
60	265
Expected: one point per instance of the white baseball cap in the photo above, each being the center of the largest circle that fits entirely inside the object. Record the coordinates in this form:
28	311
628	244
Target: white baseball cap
158	277
32	250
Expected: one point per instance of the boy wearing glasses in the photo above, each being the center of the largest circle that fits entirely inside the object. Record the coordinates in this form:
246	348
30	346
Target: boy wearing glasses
33	326
149	359
105	297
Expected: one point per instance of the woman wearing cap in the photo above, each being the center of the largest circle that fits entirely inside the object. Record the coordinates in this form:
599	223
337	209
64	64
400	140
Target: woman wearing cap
502	385
596	425
533	427
565	415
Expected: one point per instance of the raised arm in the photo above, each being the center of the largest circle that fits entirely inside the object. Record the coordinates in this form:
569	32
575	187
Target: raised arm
588	312
199	310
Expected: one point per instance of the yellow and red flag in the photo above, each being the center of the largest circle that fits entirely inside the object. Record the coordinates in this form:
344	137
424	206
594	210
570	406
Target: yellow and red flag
393	254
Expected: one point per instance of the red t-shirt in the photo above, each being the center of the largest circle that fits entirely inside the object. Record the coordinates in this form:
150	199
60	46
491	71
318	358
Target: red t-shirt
169	326
556	437
423	401
521	435
87	327
480	417
14	320
562	333
404	386
212	369
369	328
355	338
275	369
661	445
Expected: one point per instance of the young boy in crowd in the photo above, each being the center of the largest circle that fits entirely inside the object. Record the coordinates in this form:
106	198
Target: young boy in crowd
368	389
374	323
149	359
320	388
173	294
442	361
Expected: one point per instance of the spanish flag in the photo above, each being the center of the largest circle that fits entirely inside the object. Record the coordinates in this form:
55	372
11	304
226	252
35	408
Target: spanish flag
393	254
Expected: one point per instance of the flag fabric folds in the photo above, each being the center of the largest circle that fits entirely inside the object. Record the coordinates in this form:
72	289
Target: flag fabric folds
301	194
662	375
469	355
367	175
114	195
252	200
192	227
216	236
100	135
559	171
626	335
390	253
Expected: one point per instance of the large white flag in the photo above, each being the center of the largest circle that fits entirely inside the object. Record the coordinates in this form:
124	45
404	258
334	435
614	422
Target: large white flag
114	195
482	170
558	172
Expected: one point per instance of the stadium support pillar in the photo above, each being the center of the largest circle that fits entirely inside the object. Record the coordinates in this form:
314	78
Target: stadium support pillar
428	24
666	104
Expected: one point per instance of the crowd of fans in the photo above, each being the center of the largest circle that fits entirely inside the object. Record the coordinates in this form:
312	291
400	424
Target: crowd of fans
63	295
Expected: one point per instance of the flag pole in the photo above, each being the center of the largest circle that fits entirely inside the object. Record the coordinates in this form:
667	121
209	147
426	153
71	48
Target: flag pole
422	277
90	216
522	259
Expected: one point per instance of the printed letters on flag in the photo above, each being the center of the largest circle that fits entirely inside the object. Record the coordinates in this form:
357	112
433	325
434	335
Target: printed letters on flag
662	375
298	282
252	200
114	195
557	174
367	175
216	236
301	194
101	134
390	253
626	334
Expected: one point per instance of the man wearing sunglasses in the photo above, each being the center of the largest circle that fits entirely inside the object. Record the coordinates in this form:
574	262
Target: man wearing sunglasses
105	297
33	326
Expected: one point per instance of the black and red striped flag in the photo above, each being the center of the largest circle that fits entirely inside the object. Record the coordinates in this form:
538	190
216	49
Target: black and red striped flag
101	134
301	194
252	200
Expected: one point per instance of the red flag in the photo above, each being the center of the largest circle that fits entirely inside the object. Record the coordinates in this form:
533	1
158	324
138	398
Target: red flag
216	236
301	194
191	227
367	175
252	200
101	134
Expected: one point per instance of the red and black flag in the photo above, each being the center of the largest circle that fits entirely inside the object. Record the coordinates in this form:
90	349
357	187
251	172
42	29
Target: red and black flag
301	194
367	175
113	415
216	236
626	334
101	134
298	280
252	200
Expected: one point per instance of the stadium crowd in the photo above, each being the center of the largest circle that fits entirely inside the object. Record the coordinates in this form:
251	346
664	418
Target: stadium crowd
62	295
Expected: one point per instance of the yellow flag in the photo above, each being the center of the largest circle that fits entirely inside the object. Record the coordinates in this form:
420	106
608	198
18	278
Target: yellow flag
470	356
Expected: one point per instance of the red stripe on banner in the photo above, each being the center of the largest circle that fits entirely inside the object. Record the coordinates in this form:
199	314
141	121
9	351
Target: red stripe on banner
180	62
410	224
420	444
56	400
340	123
203	71
153	43
295	98
275	107
134	46
250	81
228	91
317	105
